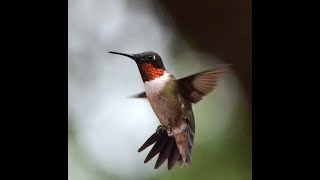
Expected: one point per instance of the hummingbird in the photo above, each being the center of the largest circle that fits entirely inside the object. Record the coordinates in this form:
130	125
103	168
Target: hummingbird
171	100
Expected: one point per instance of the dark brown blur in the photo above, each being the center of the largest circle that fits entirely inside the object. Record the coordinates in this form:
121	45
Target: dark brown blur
218	27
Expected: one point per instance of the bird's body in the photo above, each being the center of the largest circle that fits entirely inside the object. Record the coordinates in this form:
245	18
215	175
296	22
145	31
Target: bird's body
173	111
171	99
162	97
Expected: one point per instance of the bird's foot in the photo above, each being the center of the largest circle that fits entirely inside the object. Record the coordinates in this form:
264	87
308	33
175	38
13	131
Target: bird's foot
162	128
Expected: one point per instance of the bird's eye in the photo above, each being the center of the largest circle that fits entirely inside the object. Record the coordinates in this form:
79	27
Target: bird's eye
150	57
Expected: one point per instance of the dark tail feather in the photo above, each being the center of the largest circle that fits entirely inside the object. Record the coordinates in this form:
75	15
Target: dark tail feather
152	139
174	156
164	145
156	149
164	153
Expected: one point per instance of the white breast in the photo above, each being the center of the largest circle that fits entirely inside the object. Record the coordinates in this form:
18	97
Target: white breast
157	102
157	85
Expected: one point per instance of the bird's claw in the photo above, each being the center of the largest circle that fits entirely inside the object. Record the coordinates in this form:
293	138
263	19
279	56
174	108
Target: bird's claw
169	130
159	129
162	128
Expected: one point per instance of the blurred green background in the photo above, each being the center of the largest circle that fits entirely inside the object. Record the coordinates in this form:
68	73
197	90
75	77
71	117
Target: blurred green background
106	128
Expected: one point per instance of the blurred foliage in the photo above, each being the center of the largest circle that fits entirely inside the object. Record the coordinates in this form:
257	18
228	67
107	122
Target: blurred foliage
220	27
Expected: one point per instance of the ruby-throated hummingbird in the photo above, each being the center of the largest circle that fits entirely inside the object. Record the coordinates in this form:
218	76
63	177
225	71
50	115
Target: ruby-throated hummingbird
171	99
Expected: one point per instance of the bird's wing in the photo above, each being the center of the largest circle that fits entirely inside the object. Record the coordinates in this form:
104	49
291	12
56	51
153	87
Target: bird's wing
198	85
140	95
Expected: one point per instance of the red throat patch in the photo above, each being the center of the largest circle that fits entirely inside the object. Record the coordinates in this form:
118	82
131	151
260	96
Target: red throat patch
148	72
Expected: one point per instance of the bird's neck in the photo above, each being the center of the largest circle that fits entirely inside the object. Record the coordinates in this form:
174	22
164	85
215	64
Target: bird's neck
149	72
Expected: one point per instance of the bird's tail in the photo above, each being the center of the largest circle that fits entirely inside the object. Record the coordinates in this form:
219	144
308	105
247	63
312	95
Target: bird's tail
165	145
184	141
174	148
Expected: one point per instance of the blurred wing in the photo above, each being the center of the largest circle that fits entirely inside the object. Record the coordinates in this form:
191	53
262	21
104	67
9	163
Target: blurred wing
140	95
198	85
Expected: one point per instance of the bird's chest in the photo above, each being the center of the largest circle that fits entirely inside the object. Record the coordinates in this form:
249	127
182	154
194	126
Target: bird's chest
163	99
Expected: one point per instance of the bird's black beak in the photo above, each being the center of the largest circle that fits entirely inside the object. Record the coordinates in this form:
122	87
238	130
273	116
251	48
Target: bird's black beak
123	54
